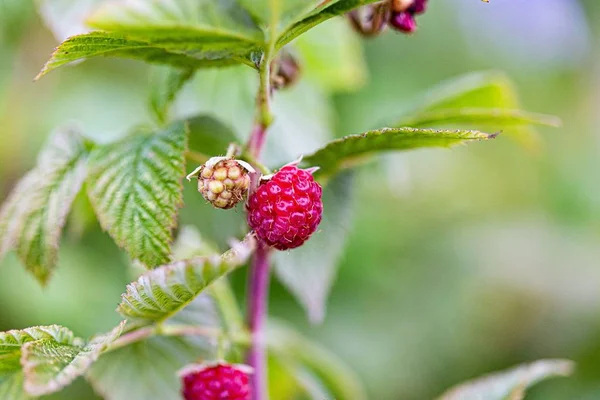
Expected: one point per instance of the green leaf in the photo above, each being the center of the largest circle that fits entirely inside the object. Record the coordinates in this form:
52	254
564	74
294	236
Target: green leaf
327	10
203	29
209	136
510	384
11	342
309	271
49	365
160	293
317	369
343	153
488	89
147	369
135	188
144	370
332	56
32	217
483	100
497	117
165	83
108	44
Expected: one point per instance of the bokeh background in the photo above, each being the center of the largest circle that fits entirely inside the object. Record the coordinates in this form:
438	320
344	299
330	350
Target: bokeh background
458	262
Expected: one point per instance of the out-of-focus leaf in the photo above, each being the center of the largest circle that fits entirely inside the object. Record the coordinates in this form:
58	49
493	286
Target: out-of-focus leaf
66	18
147	369
309	271
143	370
209	136
326	10
316	369
165	83
14	18
497	117
32	218
205	29
159	294
332	55
11	342
135	188
107	44
478	91
343	153
510	384
49	365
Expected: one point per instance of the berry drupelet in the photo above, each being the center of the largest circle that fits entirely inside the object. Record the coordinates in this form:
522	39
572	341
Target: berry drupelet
286	209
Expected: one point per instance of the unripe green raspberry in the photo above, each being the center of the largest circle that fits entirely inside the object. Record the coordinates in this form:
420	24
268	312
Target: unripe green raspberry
223	181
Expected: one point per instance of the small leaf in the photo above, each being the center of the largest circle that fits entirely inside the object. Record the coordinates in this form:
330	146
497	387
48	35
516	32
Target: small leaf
49	365
327	10
209	136
159	294
135	188
315	367
11	342
343	153
144	370
166	82
206	29
131	372
309	271
497	117
510	384
32	217
108	44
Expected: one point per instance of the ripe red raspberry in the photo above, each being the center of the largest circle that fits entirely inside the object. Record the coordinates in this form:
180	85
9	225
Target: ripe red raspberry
217	382
285	210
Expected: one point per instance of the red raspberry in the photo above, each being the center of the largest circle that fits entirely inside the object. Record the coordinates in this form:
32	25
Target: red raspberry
287	209
216	382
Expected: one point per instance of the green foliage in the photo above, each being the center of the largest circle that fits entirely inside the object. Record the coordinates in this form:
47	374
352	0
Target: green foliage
32	218
160	293
50	365
485	100
344	153
166	82
309	271
135	188
11	344
510	384
106	44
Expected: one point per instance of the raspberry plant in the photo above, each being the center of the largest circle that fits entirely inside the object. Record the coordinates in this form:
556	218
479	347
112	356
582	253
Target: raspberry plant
181	315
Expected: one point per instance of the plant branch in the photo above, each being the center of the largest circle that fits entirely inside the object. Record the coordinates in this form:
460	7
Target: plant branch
264	118
258	290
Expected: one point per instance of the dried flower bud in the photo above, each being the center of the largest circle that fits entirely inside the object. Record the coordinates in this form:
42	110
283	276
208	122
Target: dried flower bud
285	70
223	181
370	20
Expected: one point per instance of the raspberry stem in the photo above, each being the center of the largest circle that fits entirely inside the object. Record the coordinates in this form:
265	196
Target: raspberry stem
258	289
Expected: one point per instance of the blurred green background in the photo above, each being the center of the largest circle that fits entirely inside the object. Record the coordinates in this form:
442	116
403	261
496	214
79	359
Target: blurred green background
458	262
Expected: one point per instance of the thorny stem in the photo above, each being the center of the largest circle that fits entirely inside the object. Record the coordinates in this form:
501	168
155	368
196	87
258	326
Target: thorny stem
258	290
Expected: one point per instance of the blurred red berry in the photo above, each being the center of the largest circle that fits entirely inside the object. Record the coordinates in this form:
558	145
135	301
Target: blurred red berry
218	382
285	210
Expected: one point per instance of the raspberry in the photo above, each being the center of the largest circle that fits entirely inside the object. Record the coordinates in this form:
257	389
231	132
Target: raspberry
223	181
216	382
403	14
285	210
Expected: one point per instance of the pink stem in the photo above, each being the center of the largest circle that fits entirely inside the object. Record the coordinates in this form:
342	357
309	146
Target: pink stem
257	140
257	313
